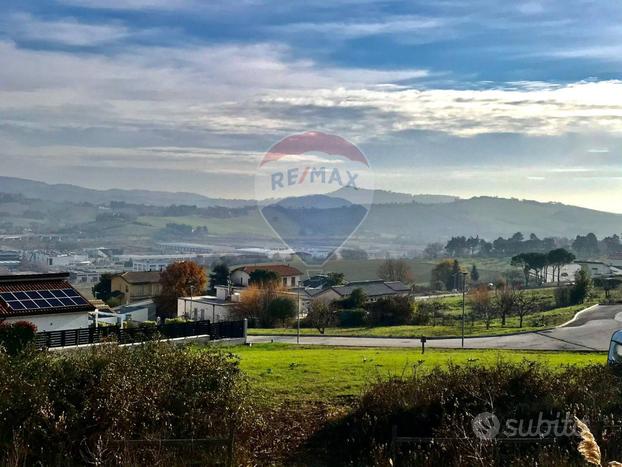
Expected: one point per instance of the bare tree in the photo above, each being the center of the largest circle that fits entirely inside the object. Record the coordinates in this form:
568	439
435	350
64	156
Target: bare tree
395	270
482	305
320	315
523	305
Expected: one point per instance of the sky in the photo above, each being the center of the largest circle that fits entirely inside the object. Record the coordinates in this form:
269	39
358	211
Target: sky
513	99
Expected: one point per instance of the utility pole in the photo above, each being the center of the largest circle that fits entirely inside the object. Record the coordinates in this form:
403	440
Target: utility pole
298	317
464	274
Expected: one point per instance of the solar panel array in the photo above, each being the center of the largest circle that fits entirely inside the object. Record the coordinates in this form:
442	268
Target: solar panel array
42	299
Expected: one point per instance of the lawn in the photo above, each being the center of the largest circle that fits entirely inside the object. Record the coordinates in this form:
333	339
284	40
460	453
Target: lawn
313	373
534	322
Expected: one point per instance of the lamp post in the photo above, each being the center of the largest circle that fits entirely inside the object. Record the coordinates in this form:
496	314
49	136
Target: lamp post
464	274
191	293
298	317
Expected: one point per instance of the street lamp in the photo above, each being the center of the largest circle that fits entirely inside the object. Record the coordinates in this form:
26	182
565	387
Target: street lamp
464	274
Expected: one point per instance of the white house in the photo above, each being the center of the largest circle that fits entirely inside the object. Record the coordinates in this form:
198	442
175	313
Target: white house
566	274
46	300
290	276
205	307
599	269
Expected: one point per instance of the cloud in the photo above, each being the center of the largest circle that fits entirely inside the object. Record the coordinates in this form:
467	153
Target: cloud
66	31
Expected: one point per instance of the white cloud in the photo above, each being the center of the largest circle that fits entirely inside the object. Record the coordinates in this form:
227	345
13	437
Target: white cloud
67	31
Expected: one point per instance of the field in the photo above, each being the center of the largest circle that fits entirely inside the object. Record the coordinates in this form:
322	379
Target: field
313	373
453	307
489	268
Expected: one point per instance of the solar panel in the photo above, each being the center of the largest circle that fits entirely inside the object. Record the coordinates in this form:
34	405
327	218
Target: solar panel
15	305
71	293
7	296
43	299
55	302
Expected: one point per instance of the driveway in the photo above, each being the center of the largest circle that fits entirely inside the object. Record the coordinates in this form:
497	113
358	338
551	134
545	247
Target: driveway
590	330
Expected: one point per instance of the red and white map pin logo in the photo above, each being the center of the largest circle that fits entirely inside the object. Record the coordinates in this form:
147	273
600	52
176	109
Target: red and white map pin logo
314	190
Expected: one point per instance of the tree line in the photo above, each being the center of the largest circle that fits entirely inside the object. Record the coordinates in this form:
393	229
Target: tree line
583	246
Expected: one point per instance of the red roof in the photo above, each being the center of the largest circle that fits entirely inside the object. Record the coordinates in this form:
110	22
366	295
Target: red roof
282	270
38	282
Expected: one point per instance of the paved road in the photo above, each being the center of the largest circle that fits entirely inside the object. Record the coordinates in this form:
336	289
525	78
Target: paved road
589	331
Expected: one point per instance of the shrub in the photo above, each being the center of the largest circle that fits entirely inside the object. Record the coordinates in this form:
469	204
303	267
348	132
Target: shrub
68	408
281	309
442	403
562	297
391	311
428	312
14	337
352	318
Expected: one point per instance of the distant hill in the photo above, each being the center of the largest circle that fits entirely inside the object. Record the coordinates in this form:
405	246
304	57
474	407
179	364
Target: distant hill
73	193
313	201
489	218
361	196
393	216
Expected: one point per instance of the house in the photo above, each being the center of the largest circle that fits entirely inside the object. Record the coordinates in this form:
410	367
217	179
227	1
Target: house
46	300
566	273
136	286
290	276
137	312
206	307
598	269
373	289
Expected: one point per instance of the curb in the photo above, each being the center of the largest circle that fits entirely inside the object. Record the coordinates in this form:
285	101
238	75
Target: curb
577	315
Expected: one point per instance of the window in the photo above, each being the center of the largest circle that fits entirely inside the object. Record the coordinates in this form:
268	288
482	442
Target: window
285	281
293	281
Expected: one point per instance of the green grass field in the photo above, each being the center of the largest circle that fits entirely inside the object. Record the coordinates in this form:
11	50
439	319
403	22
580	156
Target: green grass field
532	322
308	373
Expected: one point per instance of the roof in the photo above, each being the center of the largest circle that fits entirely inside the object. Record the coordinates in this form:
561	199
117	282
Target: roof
145	277
208	300
372	288
281	269
51	298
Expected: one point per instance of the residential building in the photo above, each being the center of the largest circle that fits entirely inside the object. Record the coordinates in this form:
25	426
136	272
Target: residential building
599	269
136	286
566	273
290	276
206	307
374	290
46	300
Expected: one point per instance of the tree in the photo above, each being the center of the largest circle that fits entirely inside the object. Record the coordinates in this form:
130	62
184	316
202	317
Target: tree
581	287
263	278
179	280
523	305
281	309
395	270
505	302
219	276
255	301
433	250
558	258
427	311
392	311
335	278
481	304
474	274
357	299
103	289
607	284
441	276
320	315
